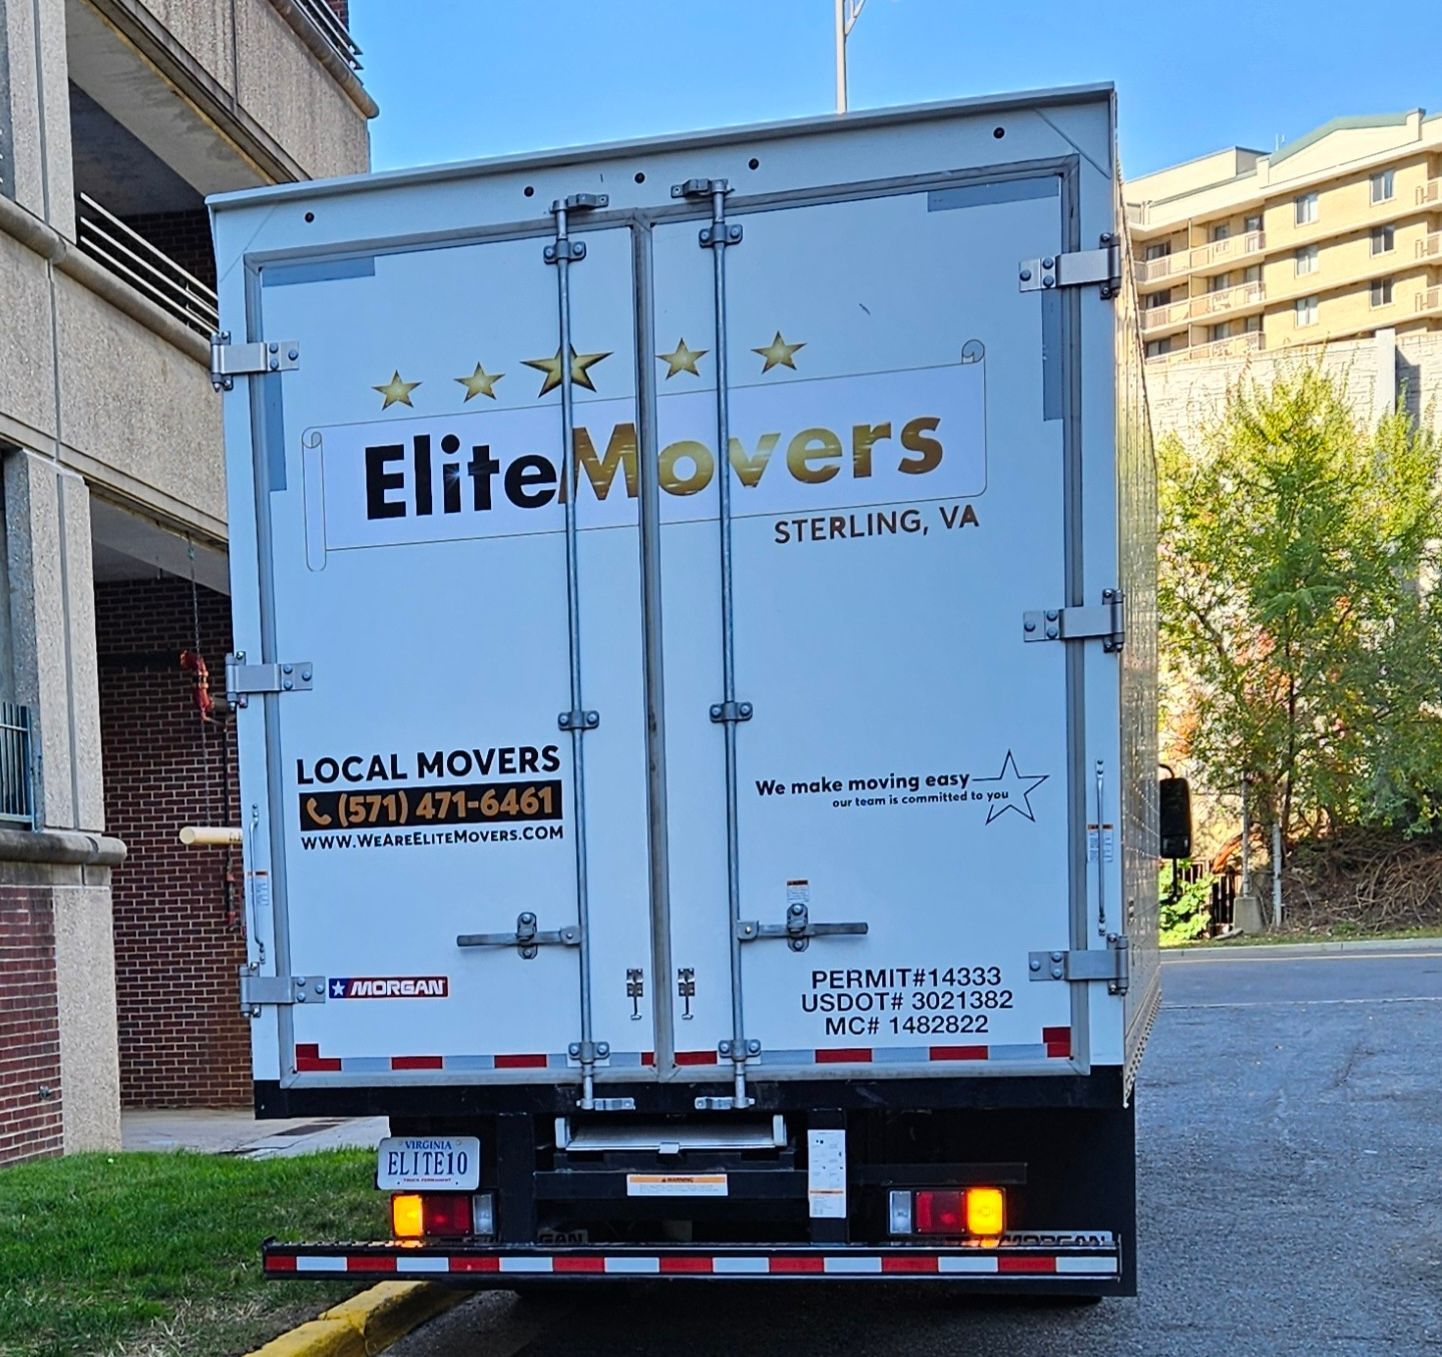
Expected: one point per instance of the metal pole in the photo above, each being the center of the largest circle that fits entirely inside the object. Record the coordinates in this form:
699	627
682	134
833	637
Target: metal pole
1246	840
728	639
841	27
1276	874
578	719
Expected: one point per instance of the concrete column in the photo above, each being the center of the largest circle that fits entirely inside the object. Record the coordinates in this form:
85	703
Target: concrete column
34	48
50	640
1385	350
52	635
89	1034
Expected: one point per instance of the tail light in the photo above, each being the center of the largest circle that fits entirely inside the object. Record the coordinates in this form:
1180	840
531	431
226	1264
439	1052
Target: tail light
442	1214
973	1212
938	1212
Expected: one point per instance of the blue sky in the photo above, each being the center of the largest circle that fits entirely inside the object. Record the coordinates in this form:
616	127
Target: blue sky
458	79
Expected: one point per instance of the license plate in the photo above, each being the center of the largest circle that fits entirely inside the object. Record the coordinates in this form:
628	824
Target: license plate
433	1163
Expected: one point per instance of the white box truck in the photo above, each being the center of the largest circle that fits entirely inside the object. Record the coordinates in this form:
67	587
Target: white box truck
695	671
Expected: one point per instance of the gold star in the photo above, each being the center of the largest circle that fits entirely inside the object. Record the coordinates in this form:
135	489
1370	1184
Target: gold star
396	391
778	353
481	382
581	363
682	359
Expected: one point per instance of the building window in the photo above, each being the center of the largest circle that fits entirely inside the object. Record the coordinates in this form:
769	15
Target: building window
1383	186
1159	299
1219	282
1381	292
1159	348
1384	239
1304	311
1222	231
1305	209
1252	273
1253	223
1220	331
1159	249
1252	325
1305	260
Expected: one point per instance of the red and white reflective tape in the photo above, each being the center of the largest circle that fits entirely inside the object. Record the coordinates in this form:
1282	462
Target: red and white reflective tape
899	1262
1055	1044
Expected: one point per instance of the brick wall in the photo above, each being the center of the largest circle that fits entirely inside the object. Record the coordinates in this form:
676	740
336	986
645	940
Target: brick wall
29	1026
183	236
178	931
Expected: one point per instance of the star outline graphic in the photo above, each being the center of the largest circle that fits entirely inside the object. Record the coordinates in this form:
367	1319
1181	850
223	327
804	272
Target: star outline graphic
1019	801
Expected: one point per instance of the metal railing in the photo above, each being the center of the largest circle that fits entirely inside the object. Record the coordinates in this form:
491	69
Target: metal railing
1229	248
328	25
1228	299
1166	316
17	794
1233	346
152	272
1163	266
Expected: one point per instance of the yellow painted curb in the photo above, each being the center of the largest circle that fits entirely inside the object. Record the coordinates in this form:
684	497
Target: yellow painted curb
365	1324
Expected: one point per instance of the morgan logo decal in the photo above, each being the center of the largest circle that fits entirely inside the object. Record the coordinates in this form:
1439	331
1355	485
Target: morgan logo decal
390	987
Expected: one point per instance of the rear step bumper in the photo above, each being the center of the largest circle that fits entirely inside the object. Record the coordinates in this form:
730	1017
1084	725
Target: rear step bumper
1052	1261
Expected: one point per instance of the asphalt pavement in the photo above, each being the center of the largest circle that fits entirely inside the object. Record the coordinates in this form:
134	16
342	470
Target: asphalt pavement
1290	1114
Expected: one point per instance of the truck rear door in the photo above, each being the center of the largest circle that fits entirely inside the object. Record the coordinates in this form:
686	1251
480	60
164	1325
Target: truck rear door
895	830
427	805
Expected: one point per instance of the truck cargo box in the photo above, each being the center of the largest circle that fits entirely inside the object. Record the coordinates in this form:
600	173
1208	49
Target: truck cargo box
694	621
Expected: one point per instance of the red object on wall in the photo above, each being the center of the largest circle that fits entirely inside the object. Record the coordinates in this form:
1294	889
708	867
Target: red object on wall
30	1101
178	939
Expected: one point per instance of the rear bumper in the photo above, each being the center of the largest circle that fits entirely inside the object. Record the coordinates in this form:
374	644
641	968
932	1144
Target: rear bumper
1087	1262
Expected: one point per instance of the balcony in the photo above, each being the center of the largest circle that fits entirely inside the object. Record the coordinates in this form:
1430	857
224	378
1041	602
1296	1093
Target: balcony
1170	316
151	272
1228	300
328	25
1235	346
1149	270
1220	253
1430	192
17	799
1430	246
1429	299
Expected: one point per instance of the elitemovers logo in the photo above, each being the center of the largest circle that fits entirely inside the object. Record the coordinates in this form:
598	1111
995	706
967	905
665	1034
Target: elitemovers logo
877	439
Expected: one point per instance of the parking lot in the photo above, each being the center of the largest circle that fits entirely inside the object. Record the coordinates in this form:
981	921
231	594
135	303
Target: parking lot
1290	1135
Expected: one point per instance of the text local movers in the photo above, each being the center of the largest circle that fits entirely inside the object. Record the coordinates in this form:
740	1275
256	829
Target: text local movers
695	670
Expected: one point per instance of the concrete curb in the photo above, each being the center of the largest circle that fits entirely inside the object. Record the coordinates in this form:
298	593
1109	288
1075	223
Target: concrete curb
365	1324
1223	952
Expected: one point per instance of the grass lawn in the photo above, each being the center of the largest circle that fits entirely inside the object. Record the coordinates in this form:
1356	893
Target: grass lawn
141	1254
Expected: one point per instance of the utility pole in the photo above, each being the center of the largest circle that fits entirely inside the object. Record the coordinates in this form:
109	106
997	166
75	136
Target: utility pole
847	13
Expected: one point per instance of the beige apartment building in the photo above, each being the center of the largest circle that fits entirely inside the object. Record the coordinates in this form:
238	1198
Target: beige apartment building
1333	236
119	947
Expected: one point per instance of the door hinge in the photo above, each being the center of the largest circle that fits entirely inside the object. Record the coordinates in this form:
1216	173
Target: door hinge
256	990
1112	964
798	930
1076	268
229	361
243	680
528	939
1106	621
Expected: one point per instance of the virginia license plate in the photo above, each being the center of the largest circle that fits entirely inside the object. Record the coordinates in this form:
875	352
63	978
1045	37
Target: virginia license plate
429	1163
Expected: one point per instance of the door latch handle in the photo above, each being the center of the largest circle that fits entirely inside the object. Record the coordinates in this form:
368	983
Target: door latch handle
798	930
528	939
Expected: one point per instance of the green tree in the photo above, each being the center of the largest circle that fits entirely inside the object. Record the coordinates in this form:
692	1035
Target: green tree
1300	619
